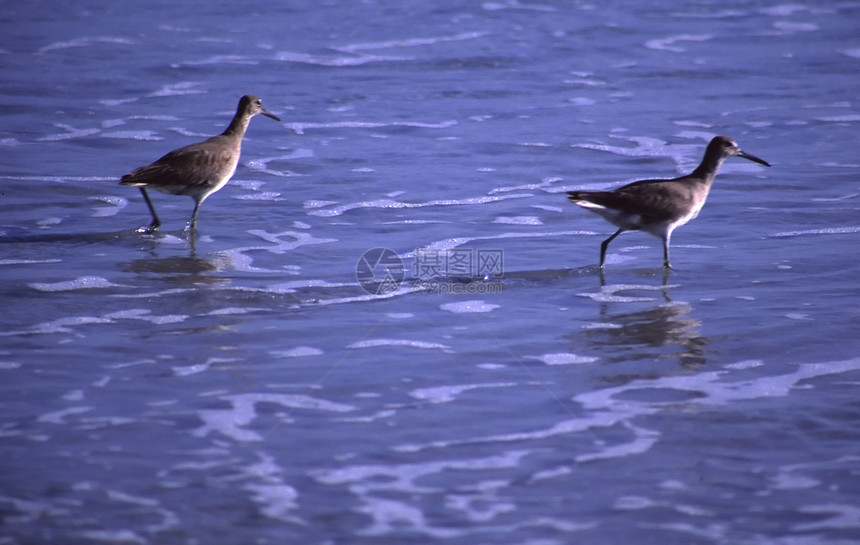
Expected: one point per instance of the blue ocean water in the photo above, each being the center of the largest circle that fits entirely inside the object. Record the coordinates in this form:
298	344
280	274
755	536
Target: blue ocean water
390	327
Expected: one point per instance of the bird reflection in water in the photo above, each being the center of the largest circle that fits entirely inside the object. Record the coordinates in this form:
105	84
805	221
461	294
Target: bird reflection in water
667	326
179	270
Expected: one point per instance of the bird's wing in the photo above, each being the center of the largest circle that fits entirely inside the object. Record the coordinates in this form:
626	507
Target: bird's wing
182	170
653	200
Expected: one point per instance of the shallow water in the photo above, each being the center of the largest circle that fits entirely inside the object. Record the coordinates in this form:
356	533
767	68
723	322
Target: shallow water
262	383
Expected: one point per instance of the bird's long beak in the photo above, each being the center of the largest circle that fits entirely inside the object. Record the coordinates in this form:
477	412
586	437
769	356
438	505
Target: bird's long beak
753	158
276	118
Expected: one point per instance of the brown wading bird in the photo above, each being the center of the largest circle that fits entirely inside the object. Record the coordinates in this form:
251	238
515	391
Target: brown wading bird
200	169
660	206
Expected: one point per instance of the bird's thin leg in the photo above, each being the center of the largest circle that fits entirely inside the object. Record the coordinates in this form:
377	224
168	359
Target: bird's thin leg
666	264
156	223
605	245
192	225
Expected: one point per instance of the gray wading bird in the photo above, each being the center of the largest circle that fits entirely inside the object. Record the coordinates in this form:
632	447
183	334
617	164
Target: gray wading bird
660	206
200	169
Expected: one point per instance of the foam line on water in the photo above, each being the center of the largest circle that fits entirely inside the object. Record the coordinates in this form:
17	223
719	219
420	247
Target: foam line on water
233	422
563	358
79	283
403	290
686	156
391	204
240	261
411	42
451	243
297	352
603	409
468	307
610	293
336	60
375	343
380	489
28	261
85	42
261	165
822	231
518	220
446	394
116	204
669	44
299	127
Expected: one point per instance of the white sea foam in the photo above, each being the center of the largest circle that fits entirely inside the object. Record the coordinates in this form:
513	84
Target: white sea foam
85	42
116	204
518	220
545	183
642	441
301	127
842	517
297	285
714	388
240	261
297	352
317	204
220	59
61	325
604	409
71	132
548	208
391	203
517	5
836	199
261	164
117	101
711	14
783	10
411	42
233	422
272	196
231	311
114	536
268	488
59	417
374	343
610	293
28	261
848	118
669	44
684	155
601	325
465	307
633	503
79	283
336	60
179	89
185	370
446	394
403	290
145	315
133	135
822	231
790	26
450	243
379	488
563	358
